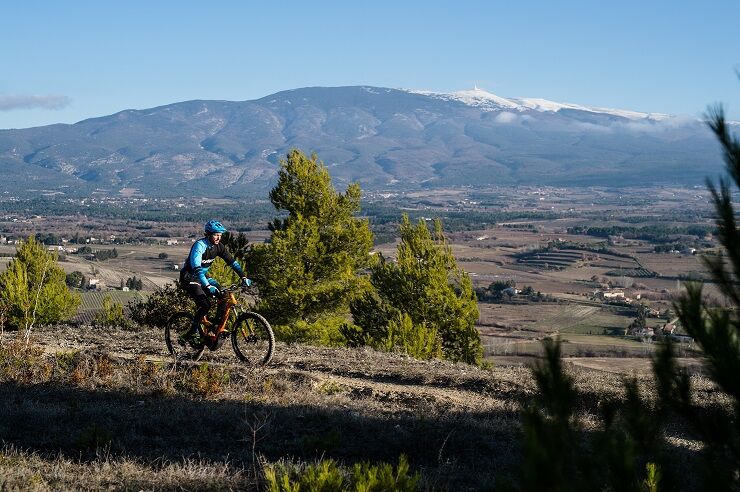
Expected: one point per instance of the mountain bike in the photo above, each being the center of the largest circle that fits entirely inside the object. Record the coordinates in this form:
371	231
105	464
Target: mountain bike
251	335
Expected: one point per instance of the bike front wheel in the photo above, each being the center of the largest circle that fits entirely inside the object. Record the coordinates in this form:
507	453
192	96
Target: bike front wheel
175	331
252	339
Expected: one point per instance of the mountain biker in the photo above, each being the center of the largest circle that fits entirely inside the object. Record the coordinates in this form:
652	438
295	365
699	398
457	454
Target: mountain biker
193	276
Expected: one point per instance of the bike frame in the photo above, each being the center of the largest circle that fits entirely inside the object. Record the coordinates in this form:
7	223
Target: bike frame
230	299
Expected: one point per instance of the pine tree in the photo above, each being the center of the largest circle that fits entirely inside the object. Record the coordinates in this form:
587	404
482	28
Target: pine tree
310	268
33	288
716	331
425	284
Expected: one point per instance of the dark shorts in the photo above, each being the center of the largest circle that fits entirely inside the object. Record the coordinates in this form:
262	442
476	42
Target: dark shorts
193	288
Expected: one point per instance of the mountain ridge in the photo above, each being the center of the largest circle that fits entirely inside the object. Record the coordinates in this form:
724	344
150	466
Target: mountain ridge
381	137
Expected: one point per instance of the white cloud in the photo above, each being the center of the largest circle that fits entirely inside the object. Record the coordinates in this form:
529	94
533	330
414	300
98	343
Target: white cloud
506	117
16	101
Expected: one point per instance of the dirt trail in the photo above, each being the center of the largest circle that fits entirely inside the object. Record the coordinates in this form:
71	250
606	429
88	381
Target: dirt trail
457	423
362	373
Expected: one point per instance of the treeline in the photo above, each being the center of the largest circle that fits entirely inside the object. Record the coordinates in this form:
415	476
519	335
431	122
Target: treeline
164	210
656	233
98	254
505	291
600	247
52	239
381	214
665	248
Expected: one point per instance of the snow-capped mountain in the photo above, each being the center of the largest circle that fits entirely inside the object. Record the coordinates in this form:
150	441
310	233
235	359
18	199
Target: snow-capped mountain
383	138
485	100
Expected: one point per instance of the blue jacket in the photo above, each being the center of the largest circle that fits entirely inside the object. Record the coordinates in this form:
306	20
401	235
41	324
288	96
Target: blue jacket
201	256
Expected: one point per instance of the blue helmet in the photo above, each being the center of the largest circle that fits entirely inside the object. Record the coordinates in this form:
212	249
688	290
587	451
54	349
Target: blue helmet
214	226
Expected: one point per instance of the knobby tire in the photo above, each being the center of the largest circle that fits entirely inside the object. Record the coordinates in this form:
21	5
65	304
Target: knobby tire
177	324
252	339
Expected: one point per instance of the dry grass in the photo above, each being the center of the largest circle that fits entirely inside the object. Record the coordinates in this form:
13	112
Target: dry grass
114	417
28	470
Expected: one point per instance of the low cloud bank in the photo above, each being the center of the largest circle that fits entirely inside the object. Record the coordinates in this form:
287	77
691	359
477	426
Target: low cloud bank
14	102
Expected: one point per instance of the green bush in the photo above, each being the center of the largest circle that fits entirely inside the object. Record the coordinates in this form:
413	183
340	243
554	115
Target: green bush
381	477
420	298
325	331
156	309
327	476
75	279
398	332
33	289
112	314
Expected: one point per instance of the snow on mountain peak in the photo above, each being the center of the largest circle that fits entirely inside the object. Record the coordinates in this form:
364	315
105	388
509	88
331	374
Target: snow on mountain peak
545	105
487	101
480	97
474	97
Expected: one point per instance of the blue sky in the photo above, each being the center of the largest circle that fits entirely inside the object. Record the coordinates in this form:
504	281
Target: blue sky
67	61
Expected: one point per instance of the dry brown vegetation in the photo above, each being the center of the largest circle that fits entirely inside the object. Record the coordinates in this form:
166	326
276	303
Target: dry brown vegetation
99	408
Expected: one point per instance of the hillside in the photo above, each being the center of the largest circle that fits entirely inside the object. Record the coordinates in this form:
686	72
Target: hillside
99	408
383	138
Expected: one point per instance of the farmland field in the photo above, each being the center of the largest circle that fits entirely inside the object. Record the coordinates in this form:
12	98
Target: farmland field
571	271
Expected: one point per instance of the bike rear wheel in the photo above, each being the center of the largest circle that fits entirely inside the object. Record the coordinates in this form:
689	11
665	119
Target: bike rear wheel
178	325
252	339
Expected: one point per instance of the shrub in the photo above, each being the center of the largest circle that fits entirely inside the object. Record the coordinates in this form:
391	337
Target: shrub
327	475
156	309
134	283
112	314
397	332
716	331
204	380
380	477
325	331
426	285
33	289
75	279
23	363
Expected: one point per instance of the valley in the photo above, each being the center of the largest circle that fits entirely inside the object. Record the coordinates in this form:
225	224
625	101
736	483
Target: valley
581	263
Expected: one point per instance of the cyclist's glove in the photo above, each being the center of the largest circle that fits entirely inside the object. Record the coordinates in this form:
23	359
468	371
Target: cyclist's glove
213	290
246	282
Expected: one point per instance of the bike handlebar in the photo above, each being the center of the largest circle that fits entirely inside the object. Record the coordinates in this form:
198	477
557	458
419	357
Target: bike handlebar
239	286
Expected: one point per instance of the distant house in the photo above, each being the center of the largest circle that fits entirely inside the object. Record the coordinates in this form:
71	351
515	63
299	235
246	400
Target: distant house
172	242
646	332
55	248
175	266
616	294
511	291
95	284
